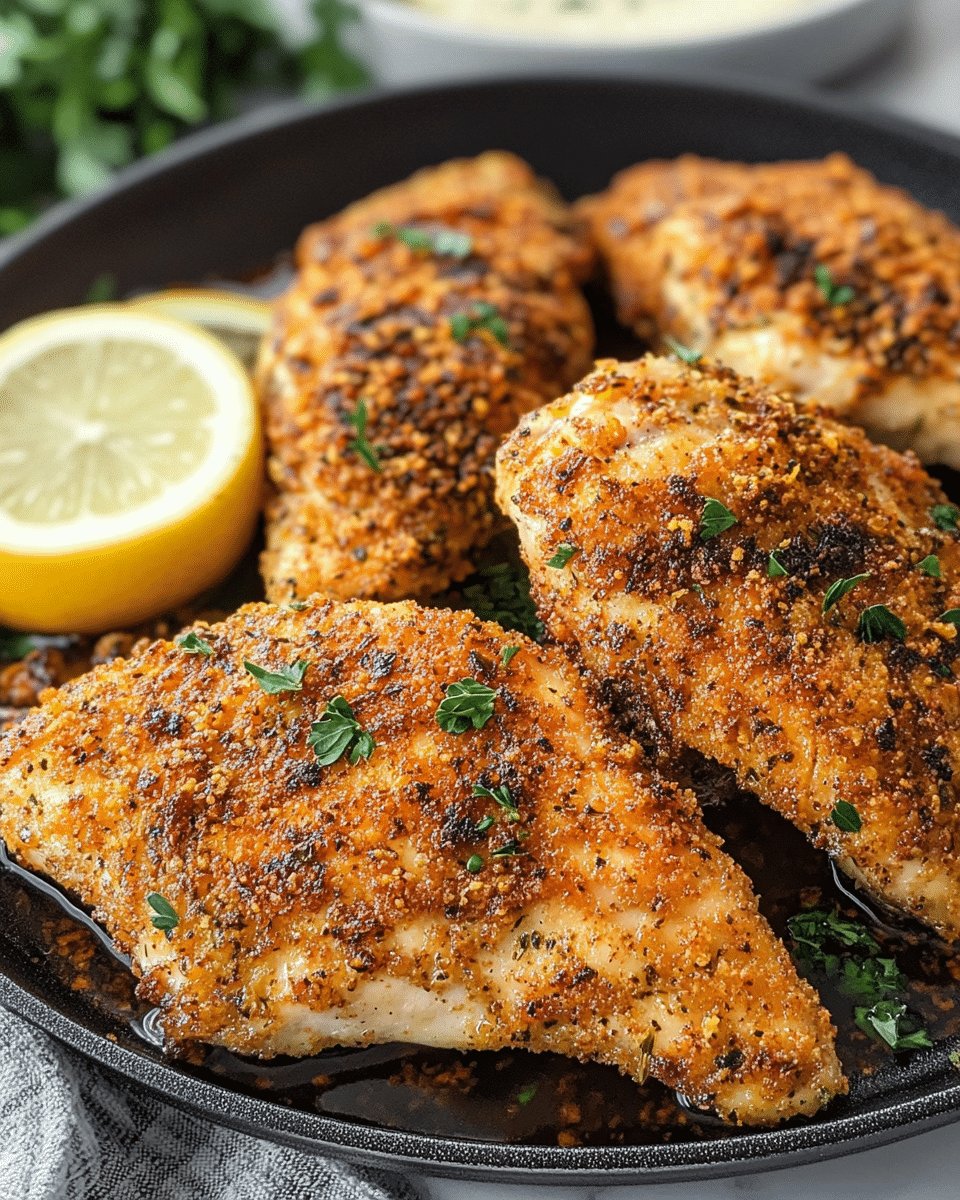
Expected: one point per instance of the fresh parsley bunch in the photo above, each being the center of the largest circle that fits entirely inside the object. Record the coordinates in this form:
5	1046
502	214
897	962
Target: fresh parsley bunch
87	86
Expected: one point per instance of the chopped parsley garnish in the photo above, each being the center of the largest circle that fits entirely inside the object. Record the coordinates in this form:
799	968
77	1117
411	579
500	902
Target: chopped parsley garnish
287	679
775	568
443	241
527	1093
836	591
846	817
562	555
835	294
485	823
466	703
298	605
714	519
361	443
946	517
474	863
878	622
684	352
164	914
843	950
930	565
481	315
190	643
502	797
950	617
14	646
509	849
889	1021
503	595
507	653
337	732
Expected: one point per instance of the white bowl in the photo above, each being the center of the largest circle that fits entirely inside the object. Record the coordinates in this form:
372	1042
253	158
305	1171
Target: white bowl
406	45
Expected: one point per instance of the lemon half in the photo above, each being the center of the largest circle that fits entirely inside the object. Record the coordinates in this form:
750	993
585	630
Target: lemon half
238	321
130	467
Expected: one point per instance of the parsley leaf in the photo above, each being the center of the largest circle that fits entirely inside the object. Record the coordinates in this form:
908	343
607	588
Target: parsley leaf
835	294
443	241
683	352
871	979
14	646
930	565
337	732
946	517
714	519
287	679
164	914
509	849
562	555
889	1021
526	1093
836	591
191	643
298	605
775	568
485	823
466	703
846	817
503	595
878	622
507	653
950	617
481	315
361	443
819	933
501	795
474	863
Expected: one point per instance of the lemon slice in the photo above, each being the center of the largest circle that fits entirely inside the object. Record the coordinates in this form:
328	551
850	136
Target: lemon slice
130	467
238	321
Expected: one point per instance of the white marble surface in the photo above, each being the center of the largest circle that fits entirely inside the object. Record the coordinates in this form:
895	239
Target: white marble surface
919	79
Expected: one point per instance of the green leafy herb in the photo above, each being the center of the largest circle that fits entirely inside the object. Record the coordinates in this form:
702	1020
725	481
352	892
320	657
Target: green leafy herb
338	732
443	241
485	823
361	443
836	591
715	519
950	617
466	703
878	622
871	979
954	1058
503	595
775	568
14	646
681	351
562	555
846	817
287	679
821	935
502	797
509	849
298	605
164	914
102	290
889	1021
507	653
474	863
930	565
480	315
191	643
526	1093
834	294
946	516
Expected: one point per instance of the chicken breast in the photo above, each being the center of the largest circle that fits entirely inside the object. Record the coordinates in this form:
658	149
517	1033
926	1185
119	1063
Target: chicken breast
768	588
422	322
808	276
508	876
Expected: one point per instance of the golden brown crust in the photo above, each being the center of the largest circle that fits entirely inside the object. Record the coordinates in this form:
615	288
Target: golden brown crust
741	666
370	318
706	251
325	905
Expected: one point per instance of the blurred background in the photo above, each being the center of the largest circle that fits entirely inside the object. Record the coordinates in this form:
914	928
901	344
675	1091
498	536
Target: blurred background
88	86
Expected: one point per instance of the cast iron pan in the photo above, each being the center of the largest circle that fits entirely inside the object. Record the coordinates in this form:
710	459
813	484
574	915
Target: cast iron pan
228	201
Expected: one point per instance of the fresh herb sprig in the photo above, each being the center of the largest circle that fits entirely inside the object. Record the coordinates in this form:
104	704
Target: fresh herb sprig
878	622
715	519
837	590
448	242
930	566
946	517
562	555
164	914
481	315
500	795
775	568
846	817
465	704
192	643
892	1023
691	357
502	594
337	733
361	443
835	294
287	679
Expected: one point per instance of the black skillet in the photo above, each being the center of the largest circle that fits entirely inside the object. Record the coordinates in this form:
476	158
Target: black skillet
226	202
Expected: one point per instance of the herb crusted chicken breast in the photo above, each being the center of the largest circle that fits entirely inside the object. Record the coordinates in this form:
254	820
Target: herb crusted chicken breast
423	321
810	277
767	587
402	824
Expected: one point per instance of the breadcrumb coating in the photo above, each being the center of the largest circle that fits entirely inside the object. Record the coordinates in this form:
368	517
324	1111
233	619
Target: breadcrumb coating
372	319
697	637
388	899
808	276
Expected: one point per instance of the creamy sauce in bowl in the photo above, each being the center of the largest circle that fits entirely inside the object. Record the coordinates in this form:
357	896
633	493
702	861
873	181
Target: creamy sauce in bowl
633	21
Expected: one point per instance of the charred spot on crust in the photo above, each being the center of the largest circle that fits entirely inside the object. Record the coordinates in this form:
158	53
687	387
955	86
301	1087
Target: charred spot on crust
886	735
834	549
304	774
160	720
937	758
458	827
